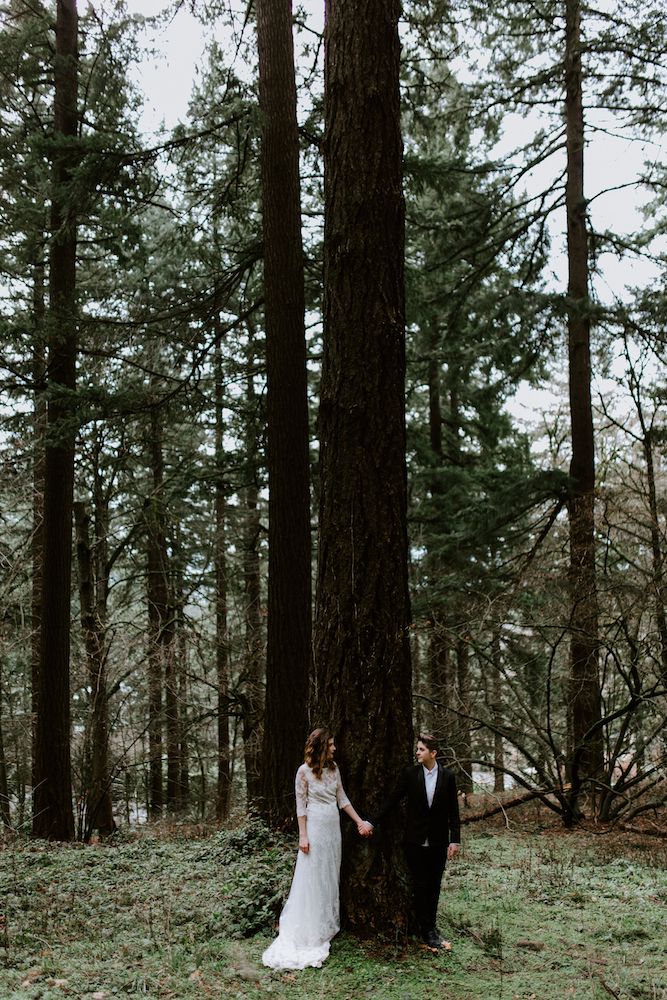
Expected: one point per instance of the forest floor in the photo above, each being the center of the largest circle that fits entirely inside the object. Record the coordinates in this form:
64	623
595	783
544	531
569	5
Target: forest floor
533	913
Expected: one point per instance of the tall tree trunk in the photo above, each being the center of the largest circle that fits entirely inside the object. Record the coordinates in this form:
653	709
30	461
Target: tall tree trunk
172	717
221	633
178	656
587	753
162	625
656	547
362	655
435	411
5	814
497	709
97	780
53	816
658	572
102	569
423	707
288	653
252	672
172	705
464	748
439	683
181	654
23	772
444	721
39	446
157	584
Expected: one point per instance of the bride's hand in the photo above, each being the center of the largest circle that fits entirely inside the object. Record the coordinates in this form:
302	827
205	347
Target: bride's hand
304	845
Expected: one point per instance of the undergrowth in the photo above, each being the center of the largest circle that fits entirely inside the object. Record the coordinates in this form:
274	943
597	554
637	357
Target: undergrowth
531	916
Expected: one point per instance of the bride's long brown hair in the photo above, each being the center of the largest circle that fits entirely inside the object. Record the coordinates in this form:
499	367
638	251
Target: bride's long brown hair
315	753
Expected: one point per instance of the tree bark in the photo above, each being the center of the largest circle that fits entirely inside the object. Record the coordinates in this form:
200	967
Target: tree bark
53	817
251	687
221	633
440	683
435	410
169	644
587	753
497	708
157	584
5	814
363	672
181	656
656	547
445	725
39	446
464	748
288	655
92	577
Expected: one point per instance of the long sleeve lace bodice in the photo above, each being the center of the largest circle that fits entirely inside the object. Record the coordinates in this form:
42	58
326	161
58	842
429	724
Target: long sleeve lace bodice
312	791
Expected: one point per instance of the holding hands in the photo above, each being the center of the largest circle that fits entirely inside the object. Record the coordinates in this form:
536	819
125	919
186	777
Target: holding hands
364	828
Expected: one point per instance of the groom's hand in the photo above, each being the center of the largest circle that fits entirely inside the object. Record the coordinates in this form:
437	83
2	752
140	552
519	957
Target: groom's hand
452	851
304	844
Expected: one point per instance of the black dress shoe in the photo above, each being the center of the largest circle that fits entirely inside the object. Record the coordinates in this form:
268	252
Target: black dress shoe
433	939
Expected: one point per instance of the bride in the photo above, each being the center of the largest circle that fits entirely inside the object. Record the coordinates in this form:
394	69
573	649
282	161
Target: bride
310	917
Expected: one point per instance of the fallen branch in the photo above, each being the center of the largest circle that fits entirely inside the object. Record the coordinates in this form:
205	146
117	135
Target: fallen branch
607	987
643	831
503	806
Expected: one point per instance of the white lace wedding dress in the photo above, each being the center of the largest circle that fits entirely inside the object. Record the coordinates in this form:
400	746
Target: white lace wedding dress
310	917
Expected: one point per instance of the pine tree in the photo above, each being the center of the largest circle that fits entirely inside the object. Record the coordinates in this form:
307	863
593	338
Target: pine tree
537	54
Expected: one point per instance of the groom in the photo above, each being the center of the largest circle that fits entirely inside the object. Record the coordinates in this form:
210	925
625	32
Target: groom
432	830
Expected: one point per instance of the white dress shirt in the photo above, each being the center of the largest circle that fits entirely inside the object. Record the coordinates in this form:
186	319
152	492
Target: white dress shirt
430	780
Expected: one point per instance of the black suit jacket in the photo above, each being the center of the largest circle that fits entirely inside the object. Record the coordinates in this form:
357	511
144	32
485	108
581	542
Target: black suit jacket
440	823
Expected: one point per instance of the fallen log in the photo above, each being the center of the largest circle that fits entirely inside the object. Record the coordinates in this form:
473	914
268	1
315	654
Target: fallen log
511	803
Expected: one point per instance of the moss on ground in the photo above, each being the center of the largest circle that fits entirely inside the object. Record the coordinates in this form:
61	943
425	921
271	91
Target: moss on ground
531	916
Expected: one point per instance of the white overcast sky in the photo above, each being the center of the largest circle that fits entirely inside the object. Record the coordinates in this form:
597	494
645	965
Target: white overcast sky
166	79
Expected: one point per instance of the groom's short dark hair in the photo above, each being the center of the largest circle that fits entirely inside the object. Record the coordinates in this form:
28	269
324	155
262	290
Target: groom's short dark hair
429	741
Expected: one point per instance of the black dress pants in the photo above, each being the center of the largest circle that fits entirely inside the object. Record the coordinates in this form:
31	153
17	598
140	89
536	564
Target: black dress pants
426	866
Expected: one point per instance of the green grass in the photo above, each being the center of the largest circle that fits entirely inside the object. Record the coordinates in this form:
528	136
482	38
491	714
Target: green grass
531	916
